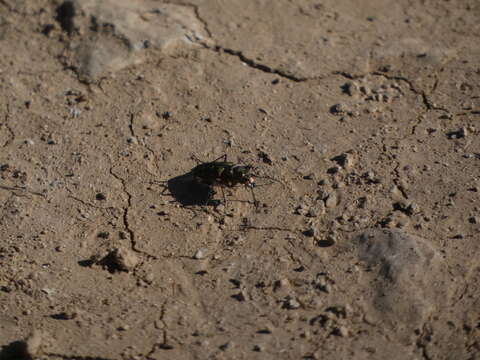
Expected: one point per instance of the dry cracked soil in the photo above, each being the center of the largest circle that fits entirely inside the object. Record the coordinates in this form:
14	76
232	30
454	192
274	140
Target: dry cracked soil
360	120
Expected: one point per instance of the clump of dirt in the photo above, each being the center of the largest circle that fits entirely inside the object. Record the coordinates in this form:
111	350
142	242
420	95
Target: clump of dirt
118	259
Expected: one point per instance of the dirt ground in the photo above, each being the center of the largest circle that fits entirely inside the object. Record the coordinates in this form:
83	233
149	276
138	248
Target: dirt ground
361	119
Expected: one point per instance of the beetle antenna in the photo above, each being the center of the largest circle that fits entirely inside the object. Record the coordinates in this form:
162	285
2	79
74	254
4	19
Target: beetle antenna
224	157
268	178
255	201
194	157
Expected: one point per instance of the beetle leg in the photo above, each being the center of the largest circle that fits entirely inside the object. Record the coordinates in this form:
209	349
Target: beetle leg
224	157
194	157
224	198
255	201
211	193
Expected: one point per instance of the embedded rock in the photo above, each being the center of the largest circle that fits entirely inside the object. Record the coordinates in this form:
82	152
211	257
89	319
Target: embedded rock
405	275
115	33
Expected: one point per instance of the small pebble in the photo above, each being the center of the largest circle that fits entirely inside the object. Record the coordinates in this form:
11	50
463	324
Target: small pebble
371	177
226	346
327	242
48	291
474	220
103	235
317	210
345	160
458	134
342	331
200	254
33	344
350	88
301	210
333	170
322	194
240	296
338	109
265	330
120	259
266	158
292	304
367	318
332	200
257	348
220	208
149	277
309	232
167	115
65	315
413	209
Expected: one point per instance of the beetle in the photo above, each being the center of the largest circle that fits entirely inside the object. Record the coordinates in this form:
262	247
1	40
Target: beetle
223	173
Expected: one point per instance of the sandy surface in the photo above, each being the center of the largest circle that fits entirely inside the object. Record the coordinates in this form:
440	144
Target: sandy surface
365	246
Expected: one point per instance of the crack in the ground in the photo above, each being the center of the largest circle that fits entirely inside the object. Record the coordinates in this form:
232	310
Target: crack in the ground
422	341
131	125
267	228
397	183
13	190
259	66
83	202
268	69
164	344
426	101
295	78
142	141
435	84
75	357
12	9
196	11
462	295
237	53
12	135
9	129
414	127
348	75
250	62
126	222
203	21
155	160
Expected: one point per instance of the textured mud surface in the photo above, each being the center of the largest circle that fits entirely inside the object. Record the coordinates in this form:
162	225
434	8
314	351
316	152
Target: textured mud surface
365	246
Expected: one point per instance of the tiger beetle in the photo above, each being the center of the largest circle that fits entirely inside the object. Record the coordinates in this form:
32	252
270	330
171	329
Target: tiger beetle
223	173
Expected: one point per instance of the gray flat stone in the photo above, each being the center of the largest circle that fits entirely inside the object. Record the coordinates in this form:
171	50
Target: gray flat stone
404	283
115	33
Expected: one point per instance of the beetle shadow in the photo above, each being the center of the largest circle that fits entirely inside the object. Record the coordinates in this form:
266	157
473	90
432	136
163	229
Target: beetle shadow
188	192
16	350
